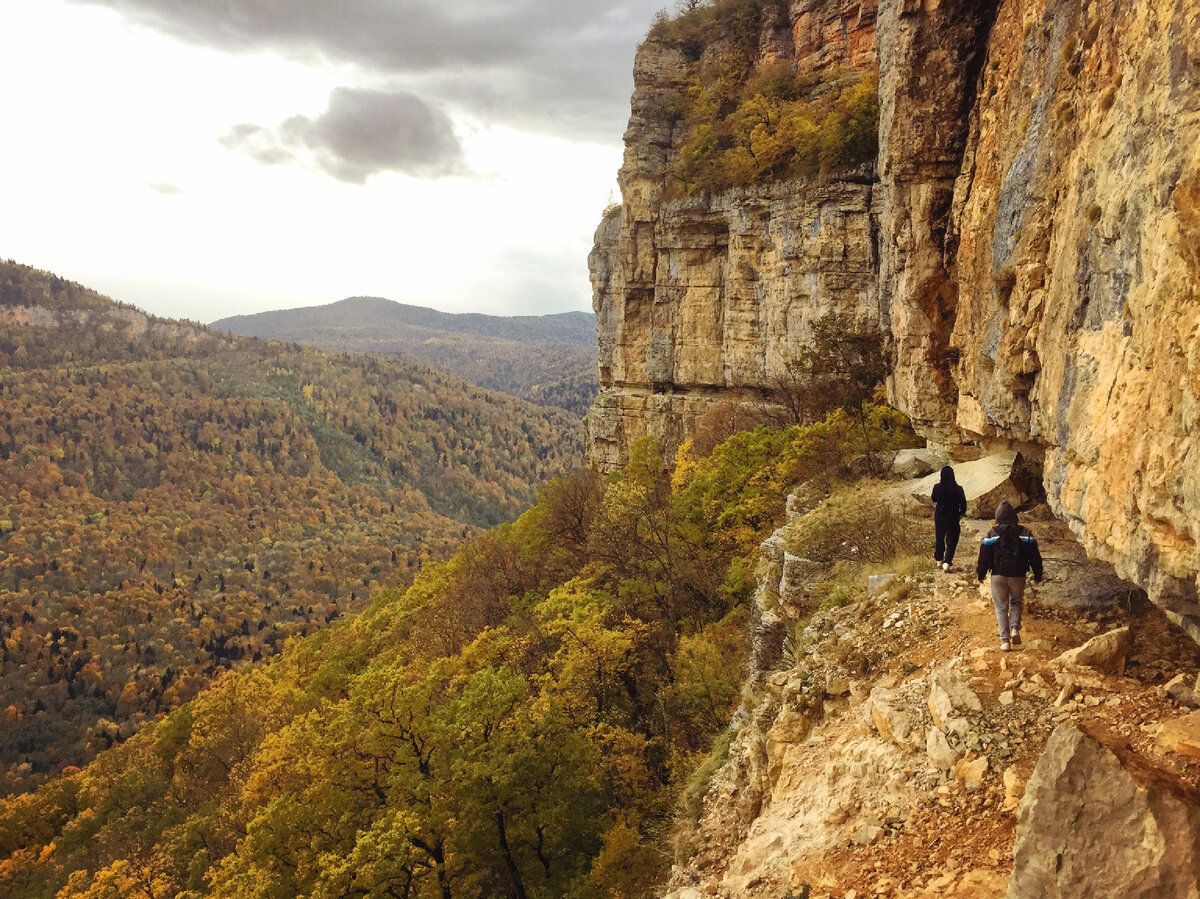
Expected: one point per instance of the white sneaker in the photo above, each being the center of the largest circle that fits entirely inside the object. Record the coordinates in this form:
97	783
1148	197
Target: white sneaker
1016	637
945	566
1004	646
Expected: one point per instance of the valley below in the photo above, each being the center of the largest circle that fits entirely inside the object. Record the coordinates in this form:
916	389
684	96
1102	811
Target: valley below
377	601
176	503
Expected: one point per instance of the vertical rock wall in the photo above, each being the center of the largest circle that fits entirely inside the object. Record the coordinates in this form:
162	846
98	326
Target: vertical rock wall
1052	303
927	76
701	300
1032	244
707	299
1080	263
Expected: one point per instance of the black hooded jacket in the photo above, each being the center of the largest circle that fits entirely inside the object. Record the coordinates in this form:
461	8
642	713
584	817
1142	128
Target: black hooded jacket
949	500
1009	549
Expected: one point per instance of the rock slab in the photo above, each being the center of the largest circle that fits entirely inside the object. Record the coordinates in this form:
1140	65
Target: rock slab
916	463
1095	824
985	482
1106	652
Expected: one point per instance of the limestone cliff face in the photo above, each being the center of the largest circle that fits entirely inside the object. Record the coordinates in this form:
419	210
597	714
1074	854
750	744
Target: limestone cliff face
926	87
733	286
701	300
1041	257
1031	243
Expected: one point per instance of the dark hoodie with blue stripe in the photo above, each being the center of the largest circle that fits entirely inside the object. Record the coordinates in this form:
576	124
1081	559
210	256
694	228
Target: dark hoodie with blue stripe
1009	549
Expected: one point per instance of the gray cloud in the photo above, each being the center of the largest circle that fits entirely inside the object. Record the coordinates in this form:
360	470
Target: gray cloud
361	134
559	66
259	143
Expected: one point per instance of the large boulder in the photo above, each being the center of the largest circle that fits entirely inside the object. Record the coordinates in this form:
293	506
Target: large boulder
986	481
1105	652
916	463
1100	822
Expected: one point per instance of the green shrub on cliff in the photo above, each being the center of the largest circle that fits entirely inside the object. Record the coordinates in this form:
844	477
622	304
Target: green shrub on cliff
732	23
750	124
764	138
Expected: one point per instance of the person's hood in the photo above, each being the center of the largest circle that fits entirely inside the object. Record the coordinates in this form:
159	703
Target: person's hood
948	475
1005	513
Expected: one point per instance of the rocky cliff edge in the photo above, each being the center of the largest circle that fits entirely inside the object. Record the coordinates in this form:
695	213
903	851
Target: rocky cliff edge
1028	240
898	752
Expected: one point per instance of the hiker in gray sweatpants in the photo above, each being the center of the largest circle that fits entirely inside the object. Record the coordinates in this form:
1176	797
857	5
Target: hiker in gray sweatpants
1008	552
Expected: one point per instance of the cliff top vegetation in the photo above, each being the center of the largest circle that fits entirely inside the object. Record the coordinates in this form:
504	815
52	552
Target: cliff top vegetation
742	117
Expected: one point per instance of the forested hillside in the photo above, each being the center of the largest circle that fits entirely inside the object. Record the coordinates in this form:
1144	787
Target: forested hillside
174	502
546	359
520	722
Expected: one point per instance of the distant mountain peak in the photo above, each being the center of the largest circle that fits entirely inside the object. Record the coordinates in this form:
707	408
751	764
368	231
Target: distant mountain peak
547	359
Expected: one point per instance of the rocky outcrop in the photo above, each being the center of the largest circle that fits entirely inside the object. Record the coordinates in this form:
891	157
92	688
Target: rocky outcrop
704	299
1106	652
1064	266
1030	238
1091	824
117	319
1031	244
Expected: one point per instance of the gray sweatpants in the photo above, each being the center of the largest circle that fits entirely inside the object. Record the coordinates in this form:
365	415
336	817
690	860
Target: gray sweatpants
1007	593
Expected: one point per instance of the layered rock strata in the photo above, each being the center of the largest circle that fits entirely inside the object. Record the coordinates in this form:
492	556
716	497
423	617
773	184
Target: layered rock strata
1051	304
702	300
705	300
1031	246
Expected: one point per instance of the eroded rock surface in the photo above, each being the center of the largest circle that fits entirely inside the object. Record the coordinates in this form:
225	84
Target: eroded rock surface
1093	825
702	300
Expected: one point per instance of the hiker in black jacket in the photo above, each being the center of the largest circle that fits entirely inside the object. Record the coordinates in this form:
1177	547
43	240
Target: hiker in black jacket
949	505
1008	552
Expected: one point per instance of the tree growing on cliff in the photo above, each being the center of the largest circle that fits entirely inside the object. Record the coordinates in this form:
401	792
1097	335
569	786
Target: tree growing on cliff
840	368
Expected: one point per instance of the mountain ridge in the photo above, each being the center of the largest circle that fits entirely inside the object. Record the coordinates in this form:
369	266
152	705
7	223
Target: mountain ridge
571	326
549	360
175	501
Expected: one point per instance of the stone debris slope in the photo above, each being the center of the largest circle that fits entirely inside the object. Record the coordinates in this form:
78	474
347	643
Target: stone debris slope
905	755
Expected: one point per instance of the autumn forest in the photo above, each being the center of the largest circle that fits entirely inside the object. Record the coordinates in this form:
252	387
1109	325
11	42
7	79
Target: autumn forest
175	502
280	623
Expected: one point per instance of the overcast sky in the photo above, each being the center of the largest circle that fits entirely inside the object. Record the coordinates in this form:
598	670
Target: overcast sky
203	159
